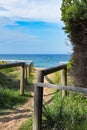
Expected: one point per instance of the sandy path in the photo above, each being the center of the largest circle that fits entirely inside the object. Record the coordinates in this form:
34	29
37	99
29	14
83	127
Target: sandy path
13	119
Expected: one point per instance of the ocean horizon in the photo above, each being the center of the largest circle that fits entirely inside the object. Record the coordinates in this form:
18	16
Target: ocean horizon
39	60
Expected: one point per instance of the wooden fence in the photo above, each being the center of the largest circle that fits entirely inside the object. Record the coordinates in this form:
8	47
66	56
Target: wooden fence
28	70
23	74
38	92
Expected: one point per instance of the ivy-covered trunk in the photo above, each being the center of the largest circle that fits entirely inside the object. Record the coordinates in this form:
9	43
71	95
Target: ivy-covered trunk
74	15
79	68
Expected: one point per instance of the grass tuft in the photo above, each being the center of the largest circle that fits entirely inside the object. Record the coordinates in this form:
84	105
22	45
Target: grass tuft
27	125
9	88
69	113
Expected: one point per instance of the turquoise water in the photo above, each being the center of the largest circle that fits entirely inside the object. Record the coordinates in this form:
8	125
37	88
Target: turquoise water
39	60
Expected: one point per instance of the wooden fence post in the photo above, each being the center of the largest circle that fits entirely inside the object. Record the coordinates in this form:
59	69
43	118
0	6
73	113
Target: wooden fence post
22	80
64	80
25	73
30	67
28	70
38	101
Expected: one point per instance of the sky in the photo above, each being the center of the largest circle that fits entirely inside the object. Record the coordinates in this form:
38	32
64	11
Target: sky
32	27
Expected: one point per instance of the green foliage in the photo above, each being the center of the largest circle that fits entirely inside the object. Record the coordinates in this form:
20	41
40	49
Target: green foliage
9	89
27	125
74	15
69	65
66	114
10	98
7	70
69	113
57	78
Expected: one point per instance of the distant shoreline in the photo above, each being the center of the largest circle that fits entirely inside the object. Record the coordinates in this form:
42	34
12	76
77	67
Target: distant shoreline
39	60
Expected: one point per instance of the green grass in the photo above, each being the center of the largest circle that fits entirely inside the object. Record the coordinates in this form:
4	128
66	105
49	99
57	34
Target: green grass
7	70
27	125
10	99
56	78
69	113
10	89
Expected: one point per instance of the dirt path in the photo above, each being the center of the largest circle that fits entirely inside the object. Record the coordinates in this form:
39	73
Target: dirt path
13	119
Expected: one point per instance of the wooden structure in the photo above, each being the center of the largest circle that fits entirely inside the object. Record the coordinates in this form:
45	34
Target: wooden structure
28	70
23	68
38	92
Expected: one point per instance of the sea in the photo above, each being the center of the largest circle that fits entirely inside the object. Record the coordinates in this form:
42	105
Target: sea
39	60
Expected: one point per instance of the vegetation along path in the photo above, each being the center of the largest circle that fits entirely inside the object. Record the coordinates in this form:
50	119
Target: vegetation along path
12	119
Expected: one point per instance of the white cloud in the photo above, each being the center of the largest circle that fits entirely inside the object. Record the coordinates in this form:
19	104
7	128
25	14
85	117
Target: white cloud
46	10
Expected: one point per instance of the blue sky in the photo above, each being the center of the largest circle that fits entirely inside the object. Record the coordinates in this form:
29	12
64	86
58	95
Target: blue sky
32	27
